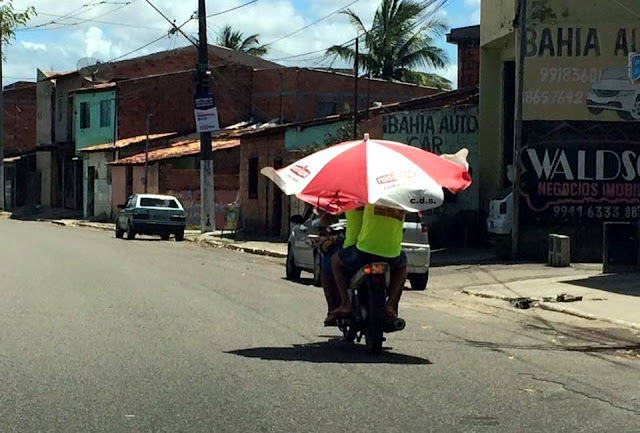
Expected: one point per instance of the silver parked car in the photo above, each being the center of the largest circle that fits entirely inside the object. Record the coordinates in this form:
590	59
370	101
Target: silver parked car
303	255
151	214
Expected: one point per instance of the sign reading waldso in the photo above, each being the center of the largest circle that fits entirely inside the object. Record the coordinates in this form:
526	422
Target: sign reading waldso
576	181
581	72
206	113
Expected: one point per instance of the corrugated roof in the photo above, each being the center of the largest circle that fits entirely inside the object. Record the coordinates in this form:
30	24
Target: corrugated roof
177	150
124	142
94	88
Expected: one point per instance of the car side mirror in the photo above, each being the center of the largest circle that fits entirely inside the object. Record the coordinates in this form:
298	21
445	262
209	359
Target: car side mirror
296	219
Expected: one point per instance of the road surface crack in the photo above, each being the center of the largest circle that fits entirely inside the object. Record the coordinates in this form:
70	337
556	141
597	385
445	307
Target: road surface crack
583	394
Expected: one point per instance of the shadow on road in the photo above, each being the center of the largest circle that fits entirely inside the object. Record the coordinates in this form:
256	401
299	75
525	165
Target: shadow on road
332	351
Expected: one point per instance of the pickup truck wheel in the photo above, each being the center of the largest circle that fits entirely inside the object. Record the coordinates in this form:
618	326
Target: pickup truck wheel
119	231
293	272
317	269
180	236
419	281
164	236
131	233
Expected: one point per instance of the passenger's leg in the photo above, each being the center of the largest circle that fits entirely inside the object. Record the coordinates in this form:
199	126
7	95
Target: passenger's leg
398	278
341	282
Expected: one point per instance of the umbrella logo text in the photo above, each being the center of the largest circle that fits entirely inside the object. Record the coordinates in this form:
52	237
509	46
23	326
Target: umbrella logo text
395	177
300	171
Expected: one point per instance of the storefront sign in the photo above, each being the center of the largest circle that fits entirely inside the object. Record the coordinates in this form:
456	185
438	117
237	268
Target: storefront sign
575	182
581	72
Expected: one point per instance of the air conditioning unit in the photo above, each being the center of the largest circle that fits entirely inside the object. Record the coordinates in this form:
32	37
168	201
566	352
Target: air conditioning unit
559	251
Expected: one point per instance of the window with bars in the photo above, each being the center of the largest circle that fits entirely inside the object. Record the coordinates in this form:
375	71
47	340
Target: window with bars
85	116
105	113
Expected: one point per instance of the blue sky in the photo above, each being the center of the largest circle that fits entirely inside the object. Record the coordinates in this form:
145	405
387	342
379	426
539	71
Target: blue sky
124	28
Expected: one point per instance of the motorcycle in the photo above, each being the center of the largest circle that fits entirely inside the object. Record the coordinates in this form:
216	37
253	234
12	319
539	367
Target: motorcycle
368	290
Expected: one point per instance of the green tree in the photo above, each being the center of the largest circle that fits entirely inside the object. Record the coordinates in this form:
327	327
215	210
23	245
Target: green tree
401	40
235	40
9	20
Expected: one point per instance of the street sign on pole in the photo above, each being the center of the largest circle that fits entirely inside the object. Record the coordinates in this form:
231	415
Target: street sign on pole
634	68
206	113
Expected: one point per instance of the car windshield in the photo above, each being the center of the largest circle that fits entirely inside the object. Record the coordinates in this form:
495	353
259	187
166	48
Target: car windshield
616	74
159	202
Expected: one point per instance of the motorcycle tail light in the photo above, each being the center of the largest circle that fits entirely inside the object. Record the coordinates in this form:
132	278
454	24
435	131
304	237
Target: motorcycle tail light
375	268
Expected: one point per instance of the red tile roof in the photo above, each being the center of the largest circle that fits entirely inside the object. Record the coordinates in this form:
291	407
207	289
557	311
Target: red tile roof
177	150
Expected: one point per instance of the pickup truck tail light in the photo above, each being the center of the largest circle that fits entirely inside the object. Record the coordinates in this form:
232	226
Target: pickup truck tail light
141	216
503	208
177	218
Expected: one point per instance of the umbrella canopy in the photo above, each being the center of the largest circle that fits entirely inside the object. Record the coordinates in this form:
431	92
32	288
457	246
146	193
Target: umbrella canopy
354	173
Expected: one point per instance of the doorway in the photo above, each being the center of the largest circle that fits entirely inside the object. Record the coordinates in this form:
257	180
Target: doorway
277	203
91	182
508	109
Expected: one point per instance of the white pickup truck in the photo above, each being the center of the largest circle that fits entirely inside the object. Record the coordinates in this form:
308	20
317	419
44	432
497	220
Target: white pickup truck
302	255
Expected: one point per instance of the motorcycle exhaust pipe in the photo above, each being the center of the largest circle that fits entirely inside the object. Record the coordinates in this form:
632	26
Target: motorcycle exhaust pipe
395	325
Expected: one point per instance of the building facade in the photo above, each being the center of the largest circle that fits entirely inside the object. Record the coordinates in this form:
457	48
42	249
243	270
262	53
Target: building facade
576	166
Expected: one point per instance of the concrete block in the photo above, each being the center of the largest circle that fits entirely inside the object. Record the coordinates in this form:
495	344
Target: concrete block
559	251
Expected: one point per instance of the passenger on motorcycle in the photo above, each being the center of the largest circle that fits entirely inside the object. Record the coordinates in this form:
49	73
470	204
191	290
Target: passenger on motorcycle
331	291
379	240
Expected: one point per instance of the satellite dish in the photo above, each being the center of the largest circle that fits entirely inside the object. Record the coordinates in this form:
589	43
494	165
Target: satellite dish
94	70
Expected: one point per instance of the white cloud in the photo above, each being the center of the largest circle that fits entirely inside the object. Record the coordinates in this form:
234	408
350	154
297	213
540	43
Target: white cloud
472	3
34	46
96	44
475	17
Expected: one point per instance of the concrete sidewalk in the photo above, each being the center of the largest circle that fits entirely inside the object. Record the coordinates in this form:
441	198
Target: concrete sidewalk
613	298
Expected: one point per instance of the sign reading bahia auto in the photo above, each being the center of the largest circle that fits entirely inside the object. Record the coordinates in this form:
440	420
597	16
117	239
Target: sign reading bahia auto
634	68
206	113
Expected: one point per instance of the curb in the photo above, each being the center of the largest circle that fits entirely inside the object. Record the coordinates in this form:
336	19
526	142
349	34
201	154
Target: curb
538	303
235	247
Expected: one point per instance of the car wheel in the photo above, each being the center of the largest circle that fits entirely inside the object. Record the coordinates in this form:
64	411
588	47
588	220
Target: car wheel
635	111
317	269
293	272
164	237
119	231
625	115
595	111
179	236
419	281
131	233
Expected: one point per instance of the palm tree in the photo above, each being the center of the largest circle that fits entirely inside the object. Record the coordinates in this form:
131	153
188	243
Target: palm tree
401	39
233	39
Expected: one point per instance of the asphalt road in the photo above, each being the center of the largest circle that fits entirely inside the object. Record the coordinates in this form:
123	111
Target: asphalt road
105	335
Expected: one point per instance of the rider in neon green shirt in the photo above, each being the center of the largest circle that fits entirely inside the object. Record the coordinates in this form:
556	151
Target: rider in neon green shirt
354	224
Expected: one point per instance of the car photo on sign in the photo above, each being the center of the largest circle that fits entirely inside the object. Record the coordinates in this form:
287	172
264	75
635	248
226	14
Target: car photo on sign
615	91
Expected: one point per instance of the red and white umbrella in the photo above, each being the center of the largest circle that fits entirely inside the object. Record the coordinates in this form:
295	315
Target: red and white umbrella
354	173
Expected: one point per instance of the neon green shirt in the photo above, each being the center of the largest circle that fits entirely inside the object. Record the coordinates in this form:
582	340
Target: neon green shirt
381	232
354	224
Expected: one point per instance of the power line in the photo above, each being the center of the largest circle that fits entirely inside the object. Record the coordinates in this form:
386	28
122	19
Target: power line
83	20
68	14
312	24
138	49
232	9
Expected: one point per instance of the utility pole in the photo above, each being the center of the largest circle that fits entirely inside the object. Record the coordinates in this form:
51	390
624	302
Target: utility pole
146	156
517	142
2	204
207	199
355	93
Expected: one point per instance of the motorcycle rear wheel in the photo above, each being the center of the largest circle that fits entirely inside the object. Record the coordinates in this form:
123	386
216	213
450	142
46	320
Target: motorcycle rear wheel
375	319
